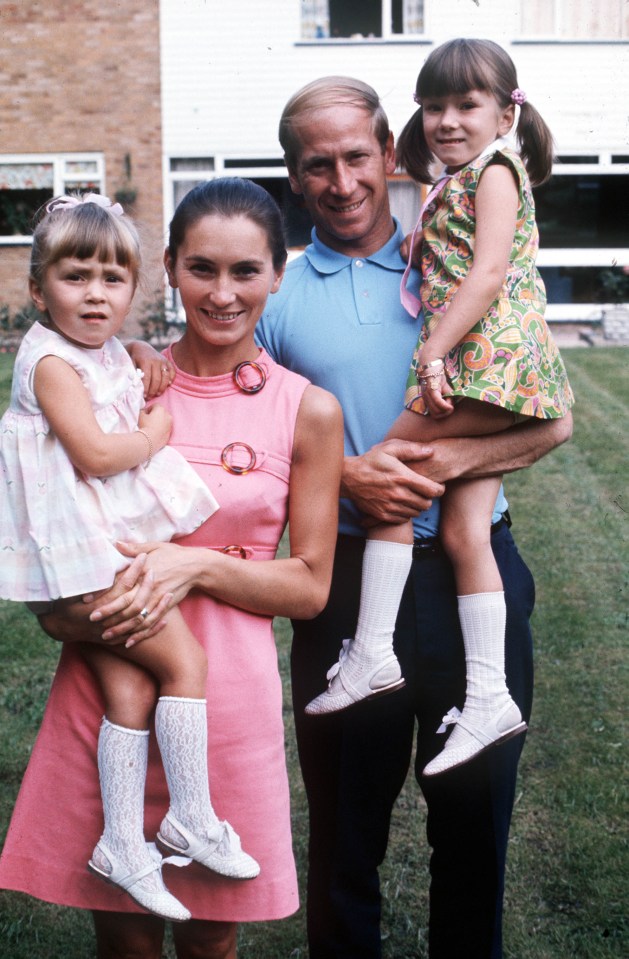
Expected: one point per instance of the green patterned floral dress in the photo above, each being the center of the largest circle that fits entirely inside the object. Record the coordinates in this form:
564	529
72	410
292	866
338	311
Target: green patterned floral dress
509	357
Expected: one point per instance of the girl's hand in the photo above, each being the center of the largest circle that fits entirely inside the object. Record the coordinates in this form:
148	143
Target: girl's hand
436	390
158	371
157	422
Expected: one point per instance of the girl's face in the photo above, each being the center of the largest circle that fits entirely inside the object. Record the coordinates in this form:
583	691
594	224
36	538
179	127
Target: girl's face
86	301
224	273
459	126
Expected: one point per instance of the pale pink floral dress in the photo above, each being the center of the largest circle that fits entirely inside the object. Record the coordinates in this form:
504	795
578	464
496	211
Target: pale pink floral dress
58	526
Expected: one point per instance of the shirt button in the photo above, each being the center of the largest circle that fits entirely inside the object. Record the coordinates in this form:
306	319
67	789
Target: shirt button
359	263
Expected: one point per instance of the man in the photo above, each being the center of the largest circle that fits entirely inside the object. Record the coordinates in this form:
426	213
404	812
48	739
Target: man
338	320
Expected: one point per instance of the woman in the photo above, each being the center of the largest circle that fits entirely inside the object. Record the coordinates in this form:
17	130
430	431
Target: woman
270	446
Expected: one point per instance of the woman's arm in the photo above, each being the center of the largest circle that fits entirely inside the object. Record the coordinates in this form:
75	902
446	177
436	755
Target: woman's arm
65	403
294	587
158	371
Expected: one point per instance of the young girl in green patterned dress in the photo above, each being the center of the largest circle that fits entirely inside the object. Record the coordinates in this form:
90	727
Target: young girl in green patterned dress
485	362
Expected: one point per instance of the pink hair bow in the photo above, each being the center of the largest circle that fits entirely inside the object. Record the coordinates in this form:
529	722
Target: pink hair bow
71	201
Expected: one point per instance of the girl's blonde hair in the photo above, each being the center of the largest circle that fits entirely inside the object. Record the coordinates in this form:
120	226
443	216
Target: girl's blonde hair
456	67
75	227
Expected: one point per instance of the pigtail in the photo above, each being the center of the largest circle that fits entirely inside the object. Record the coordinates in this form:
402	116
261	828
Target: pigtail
412	153
536	144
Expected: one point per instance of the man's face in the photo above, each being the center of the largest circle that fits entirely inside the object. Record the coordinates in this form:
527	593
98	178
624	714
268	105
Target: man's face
341	171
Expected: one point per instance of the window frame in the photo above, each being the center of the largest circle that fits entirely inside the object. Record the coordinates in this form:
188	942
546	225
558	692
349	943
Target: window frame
387	35
61	177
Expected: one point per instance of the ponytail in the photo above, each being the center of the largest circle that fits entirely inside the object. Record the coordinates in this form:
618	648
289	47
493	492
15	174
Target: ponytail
412	153
536	144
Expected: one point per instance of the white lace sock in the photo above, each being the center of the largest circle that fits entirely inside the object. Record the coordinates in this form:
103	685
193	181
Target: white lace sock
181	728
386	567
122	762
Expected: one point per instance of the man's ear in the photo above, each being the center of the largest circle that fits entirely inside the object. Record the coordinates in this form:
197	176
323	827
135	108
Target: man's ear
293	179
389	155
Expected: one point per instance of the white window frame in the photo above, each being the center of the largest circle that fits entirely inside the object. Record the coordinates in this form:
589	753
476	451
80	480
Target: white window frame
387	35
61	177
583	256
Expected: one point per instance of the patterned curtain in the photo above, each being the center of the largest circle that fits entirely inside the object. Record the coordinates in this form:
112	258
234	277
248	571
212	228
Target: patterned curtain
26	176
413	16
315	19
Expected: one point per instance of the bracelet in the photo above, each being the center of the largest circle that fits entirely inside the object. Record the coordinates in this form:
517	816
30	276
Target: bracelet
429	366
150	442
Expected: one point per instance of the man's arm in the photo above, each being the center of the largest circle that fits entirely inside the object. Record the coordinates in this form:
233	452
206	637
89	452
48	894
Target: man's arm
499	453
397	479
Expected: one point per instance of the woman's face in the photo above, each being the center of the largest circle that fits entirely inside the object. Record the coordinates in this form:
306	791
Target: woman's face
224	273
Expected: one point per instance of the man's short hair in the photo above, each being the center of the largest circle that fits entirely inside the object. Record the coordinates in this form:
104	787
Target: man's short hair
329	92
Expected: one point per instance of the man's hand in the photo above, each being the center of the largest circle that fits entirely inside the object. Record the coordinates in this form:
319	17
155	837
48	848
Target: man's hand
384	487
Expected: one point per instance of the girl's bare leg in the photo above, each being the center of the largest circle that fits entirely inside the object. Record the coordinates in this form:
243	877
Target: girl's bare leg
489	714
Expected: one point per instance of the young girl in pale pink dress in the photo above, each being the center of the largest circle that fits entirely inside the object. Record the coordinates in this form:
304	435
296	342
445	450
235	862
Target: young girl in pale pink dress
84	465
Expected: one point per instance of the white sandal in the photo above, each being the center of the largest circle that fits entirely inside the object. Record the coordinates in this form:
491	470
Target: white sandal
159	903
504	725
349	684
222	853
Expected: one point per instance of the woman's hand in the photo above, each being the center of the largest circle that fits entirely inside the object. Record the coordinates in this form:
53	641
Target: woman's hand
77	619
172	571
158	371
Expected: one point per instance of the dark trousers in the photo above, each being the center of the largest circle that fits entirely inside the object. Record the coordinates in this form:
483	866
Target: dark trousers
354	763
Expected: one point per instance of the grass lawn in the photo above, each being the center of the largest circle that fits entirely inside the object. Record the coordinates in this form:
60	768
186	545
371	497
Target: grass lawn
567	886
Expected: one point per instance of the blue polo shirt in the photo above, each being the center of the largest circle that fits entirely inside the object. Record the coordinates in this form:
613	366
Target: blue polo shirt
338	321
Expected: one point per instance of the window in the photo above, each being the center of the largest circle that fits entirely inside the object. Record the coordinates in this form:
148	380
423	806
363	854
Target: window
359	19
575	19
582	214
26	182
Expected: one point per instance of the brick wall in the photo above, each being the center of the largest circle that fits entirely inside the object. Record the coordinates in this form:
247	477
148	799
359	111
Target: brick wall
85	76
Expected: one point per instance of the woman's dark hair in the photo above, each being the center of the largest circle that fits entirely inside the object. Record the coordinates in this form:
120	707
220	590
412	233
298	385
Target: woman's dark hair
456	67
229	197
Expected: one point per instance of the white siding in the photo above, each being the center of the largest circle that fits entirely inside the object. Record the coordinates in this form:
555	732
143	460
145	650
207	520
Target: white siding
228	68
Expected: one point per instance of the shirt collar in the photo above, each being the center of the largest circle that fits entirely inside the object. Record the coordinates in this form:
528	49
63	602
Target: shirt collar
326	260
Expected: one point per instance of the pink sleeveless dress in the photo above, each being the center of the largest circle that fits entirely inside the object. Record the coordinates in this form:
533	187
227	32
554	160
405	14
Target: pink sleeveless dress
58	815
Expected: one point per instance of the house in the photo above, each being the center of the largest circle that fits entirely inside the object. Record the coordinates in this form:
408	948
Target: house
80	109
227	69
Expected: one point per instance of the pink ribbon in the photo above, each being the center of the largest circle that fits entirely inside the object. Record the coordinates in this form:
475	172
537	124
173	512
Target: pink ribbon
71	201
409	301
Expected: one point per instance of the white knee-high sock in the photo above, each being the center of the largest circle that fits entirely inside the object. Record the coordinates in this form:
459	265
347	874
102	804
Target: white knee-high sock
181	729
122	762
386	567
483	618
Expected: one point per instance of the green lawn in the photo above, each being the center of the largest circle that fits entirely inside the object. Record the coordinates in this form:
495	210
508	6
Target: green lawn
567	885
